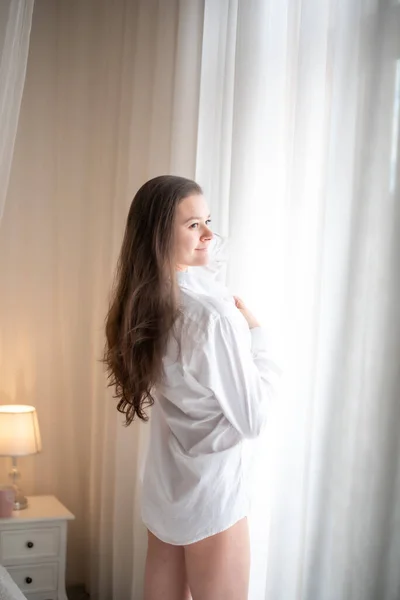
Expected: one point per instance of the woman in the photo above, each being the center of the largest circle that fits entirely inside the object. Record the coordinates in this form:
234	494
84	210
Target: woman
179	342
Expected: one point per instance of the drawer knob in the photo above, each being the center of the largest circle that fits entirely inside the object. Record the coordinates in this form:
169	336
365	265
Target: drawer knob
30	544
28	579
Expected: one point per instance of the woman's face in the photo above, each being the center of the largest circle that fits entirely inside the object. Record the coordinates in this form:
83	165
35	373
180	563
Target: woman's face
192	232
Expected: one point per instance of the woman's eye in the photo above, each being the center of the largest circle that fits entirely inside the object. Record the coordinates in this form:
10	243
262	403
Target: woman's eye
195	225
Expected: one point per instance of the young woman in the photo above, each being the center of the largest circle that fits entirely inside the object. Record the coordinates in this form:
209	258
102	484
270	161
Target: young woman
179	342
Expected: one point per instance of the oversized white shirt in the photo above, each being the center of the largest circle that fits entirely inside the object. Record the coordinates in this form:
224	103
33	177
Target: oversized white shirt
212	404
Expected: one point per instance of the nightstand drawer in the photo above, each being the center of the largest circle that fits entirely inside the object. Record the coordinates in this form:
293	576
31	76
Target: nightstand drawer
23	544
35	578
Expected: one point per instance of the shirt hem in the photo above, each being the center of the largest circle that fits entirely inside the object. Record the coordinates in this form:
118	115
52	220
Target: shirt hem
199	537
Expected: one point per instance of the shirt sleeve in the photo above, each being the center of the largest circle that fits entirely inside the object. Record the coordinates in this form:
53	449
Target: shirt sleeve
239	372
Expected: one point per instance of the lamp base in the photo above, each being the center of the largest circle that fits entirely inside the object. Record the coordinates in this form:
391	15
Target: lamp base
20	501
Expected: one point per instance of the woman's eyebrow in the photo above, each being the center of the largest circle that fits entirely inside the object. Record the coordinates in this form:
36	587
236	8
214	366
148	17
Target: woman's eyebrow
195	219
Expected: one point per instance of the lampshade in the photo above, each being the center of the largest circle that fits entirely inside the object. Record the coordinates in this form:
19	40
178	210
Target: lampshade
19	430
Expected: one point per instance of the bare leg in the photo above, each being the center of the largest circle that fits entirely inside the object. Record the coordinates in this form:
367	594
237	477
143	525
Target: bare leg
165	574
218	567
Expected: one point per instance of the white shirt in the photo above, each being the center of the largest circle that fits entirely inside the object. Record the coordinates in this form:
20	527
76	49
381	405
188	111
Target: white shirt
213	401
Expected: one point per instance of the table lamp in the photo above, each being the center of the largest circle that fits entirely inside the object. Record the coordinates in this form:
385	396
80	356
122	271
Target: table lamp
19	436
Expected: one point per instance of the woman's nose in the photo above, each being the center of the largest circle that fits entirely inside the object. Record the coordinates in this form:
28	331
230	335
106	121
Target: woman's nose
208	234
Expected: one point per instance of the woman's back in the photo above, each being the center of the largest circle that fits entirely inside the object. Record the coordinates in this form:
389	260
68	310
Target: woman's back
195	482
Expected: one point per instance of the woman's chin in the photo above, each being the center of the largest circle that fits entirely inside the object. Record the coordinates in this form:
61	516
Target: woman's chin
201	258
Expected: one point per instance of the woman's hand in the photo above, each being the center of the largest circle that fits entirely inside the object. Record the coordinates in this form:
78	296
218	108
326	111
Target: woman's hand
250	318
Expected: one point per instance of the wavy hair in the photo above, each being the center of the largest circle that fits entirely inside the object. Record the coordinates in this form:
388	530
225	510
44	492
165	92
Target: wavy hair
144	300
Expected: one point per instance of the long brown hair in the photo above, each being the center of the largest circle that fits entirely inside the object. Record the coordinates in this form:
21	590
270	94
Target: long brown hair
144	303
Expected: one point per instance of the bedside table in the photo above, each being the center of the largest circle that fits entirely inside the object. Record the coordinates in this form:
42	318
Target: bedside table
33	544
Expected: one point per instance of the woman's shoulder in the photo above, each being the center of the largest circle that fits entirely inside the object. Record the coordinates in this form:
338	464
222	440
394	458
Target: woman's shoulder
206	302
204	311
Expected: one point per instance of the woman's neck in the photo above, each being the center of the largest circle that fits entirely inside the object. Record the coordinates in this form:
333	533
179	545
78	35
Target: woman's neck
183	268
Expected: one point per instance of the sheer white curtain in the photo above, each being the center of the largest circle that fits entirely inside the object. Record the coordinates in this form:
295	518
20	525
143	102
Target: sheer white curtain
15	28
312	210
285	111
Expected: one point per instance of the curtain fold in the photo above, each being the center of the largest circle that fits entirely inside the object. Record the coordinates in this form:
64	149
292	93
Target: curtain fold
15	29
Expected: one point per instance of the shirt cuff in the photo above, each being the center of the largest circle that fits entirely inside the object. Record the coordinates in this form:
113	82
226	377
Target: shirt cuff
258	340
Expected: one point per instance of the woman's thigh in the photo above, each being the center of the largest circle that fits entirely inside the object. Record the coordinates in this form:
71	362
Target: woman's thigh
218	567
165	574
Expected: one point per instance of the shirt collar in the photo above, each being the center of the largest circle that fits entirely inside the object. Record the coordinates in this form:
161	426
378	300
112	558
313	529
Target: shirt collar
199	280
